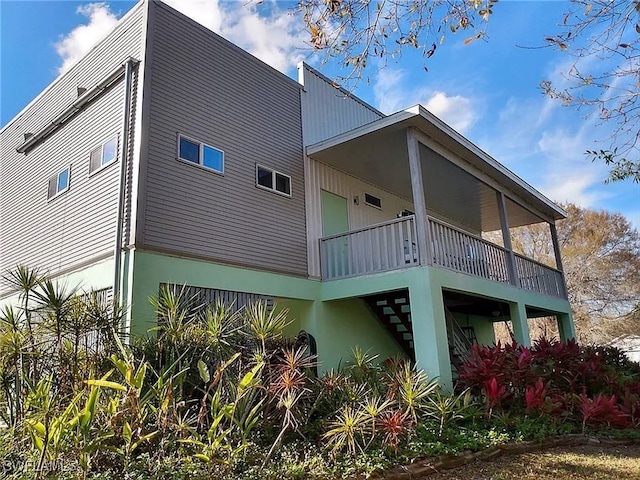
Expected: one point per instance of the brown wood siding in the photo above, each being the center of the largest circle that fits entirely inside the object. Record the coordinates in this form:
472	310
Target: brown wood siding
78	225
209	90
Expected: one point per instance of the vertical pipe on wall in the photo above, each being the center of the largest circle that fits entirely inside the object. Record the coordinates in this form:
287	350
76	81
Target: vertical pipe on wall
124	144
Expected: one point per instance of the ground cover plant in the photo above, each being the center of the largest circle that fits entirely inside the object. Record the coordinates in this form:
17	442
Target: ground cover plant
217	393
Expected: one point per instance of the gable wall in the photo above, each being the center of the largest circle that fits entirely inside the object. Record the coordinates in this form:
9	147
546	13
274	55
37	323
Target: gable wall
78	227
210	90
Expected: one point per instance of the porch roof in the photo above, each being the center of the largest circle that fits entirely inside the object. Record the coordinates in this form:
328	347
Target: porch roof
377	153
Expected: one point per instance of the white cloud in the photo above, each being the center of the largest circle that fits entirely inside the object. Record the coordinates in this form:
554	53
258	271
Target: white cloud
392	94
275	39
388	91
79	41
578	187
205	12
455	110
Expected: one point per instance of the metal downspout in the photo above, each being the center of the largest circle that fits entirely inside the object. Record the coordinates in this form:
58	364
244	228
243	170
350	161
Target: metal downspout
124	144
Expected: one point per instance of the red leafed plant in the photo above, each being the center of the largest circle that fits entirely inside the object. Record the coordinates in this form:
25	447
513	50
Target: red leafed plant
395	425
602	410
535	396
631	407
494	394
483	363
594	385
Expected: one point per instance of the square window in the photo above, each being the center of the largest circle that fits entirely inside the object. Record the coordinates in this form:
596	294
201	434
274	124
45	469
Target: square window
212	158
103	155
58	184
109	151
189	150
265	177
283	184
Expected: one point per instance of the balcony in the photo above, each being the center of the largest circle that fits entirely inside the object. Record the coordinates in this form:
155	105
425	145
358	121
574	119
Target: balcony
392	245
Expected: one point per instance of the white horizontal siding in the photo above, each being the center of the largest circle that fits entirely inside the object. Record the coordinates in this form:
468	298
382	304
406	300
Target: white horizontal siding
328	111
78	225
323	177
211	91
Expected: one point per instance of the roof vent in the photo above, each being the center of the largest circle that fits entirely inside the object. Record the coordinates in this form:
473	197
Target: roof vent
27	136
81	90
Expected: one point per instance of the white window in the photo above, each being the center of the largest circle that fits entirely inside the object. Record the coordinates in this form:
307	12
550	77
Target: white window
199	153
103	155
269	179
58	184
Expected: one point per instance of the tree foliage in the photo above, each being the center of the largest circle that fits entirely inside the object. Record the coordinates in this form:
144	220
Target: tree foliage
603	37
353	31
601	260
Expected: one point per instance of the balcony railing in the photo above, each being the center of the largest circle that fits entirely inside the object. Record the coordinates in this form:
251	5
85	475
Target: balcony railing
393	245
458	250
377	248
538	277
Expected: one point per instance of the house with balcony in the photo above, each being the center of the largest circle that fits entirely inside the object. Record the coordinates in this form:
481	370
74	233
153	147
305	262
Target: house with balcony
168	155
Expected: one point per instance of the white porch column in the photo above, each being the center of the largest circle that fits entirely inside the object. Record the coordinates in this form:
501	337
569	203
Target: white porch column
518	314
558	255
419	202
506	238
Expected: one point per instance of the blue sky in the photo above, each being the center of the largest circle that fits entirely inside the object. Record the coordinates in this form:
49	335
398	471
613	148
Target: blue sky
488	90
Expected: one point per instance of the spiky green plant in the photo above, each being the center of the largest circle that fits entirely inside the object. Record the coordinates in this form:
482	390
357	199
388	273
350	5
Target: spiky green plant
414	390
263	323
347	430
25	280
446	409
14	340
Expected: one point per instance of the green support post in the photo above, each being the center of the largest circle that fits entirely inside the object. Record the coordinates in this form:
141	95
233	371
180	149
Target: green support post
518	313
430	330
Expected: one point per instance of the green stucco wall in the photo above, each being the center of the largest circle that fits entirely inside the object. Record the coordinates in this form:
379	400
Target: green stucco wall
97	276
344	324
149	270
333	313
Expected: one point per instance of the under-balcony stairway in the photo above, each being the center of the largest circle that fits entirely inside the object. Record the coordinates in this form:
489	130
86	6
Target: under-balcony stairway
393	309
459	340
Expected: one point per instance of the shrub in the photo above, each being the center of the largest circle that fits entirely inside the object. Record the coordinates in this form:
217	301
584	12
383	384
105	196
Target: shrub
592	386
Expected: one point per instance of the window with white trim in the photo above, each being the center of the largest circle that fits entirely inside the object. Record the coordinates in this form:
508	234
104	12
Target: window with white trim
58	184
103	155
269	179
200	154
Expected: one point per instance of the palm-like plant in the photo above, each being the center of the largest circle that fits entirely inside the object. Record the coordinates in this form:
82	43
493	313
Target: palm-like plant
265	323
447	409
176	310
13	343
347	430
290	385
414	390
25	280
215	327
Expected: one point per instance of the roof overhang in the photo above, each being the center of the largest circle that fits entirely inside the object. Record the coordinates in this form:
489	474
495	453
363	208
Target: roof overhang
382	141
